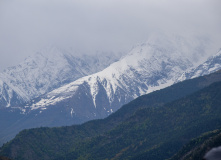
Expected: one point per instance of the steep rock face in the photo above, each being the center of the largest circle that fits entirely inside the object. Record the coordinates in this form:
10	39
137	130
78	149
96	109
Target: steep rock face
211	65
46	70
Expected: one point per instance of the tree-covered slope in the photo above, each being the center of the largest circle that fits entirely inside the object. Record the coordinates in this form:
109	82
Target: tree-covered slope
141	129
198	147
4	158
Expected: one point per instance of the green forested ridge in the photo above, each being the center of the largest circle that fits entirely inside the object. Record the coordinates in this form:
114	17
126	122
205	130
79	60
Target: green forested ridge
142	129
198	147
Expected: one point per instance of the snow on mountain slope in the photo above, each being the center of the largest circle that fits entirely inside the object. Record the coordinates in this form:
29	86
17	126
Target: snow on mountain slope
48	69
211	65
146	68
8	95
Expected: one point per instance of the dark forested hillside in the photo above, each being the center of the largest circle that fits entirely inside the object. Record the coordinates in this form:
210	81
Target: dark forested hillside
198	147
146	128
4	158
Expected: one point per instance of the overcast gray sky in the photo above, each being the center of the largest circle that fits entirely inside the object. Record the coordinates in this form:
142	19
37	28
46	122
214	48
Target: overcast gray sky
107	25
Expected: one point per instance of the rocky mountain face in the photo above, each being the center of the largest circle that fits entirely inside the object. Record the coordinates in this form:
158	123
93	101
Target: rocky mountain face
46	70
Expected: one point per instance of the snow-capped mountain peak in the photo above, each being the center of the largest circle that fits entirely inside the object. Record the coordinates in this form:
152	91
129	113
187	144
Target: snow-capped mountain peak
46	70
141	71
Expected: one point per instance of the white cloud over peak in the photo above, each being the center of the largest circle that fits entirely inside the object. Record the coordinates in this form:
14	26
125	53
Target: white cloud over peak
90	25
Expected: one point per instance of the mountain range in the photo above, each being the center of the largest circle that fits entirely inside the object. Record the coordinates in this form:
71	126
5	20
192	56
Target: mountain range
141	71
55	88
